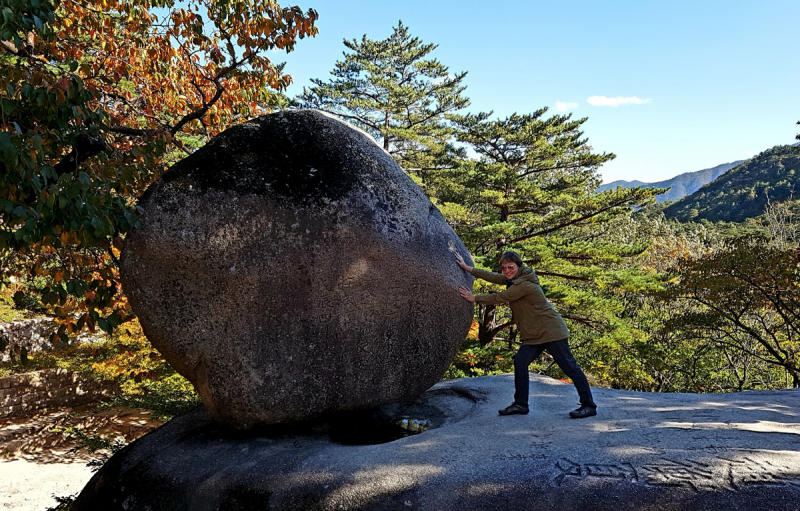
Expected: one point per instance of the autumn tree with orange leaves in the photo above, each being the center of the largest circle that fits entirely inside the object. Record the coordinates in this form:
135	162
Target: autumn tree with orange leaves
95	95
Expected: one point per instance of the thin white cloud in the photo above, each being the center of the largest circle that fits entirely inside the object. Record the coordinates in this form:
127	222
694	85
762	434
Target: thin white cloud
619	100
563	106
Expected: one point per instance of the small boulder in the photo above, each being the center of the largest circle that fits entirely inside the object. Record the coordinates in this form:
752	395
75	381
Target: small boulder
290	268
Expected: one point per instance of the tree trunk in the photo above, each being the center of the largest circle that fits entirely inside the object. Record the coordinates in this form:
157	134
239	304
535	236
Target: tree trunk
512	336
486	328
386	133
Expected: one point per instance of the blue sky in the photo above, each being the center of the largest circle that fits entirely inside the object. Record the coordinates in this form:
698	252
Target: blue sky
713	81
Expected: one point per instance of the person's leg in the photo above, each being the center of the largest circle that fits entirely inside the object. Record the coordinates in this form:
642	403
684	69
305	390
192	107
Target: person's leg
563	357
527	353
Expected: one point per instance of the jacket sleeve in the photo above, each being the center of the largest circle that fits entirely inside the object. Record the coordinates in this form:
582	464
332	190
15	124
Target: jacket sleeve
511	294
494	278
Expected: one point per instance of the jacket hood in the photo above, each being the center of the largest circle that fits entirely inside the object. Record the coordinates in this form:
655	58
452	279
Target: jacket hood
525	274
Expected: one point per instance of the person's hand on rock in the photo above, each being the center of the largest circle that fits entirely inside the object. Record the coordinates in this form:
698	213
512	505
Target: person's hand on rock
460	261
467	294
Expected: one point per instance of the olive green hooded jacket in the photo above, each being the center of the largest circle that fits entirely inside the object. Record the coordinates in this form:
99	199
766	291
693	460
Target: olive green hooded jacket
537	320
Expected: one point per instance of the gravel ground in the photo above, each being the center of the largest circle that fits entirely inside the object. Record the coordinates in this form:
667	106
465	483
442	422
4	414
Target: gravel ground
29	485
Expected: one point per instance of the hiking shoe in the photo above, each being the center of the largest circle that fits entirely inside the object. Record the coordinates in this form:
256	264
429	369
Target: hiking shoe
583	412
514	409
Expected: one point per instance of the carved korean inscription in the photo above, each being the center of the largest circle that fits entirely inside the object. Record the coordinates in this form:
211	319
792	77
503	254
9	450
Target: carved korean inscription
716	473
679	473
746	471
568	468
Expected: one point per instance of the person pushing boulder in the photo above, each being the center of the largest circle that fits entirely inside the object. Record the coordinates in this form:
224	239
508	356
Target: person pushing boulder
540	326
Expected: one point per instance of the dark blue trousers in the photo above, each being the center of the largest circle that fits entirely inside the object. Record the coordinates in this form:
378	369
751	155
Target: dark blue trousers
563	356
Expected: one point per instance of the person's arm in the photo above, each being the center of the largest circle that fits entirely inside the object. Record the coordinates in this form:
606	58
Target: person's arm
488	276
494	278
511	294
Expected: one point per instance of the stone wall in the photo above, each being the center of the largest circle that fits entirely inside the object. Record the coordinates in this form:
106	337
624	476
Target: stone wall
31	334
48	389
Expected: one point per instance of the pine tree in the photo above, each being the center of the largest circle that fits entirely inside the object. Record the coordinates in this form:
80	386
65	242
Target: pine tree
395	92
532	190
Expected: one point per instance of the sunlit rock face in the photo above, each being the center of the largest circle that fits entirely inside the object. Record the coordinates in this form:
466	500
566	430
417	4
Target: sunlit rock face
290	268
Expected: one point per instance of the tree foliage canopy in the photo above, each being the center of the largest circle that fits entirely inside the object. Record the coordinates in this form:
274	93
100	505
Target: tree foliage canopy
94	95
745	291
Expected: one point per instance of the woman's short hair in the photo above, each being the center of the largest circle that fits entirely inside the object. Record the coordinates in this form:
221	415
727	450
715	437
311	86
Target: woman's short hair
510	256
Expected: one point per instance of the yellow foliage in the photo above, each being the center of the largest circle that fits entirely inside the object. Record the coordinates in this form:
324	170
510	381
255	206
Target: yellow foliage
135	360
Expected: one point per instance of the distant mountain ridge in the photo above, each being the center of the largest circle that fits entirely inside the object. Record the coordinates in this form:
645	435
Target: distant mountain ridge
742	193
681	185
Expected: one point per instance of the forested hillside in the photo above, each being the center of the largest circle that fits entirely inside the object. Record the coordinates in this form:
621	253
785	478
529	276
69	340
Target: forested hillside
680	185
743	192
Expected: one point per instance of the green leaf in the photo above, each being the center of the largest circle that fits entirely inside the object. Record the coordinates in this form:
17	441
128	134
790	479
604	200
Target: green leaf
103	324
49	172
85	180
10	154
114	320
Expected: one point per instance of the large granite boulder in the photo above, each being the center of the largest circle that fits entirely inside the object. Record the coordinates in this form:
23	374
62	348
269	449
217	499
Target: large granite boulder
643	451
290	268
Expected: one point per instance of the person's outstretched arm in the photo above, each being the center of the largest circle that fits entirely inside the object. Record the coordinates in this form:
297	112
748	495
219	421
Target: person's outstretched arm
494	278
509	295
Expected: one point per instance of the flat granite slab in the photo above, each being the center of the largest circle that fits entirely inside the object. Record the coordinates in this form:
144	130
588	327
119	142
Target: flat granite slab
642	451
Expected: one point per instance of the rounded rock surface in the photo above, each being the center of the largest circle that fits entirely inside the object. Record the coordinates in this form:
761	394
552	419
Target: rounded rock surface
290	268
643	451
